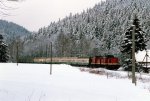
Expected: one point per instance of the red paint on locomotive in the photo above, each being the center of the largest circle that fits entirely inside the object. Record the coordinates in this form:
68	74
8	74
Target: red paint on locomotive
109	62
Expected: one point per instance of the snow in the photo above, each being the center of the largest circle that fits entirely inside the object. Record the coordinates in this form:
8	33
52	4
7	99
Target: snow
140	56
32	82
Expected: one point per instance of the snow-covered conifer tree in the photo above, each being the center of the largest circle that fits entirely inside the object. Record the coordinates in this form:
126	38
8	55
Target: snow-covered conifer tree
3	50
140	42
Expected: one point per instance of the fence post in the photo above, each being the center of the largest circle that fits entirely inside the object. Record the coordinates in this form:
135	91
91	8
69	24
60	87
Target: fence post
51	59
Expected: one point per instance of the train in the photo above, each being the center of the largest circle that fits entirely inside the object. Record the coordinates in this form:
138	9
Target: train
109	62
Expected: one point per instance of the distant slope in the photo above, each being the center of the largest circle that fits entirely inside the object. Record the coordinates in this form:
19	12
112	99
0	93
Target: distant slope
10	29
97	31
14	35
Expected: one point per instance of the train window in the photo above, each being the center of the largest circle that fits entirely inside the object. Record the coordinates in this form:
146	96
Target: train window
109	60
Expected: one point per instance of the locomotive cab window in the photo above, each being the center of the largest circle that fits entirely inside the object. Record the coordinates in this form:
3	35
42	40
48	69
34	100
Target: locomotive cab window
109	60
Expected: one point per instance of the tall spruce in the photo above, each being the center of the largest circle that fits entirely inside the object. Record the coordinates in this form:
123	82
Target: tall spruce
3	51
140	42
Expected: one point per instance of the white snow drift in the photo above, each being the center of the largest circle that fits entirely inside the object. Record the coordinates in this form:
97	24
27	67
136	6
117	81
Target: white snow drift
32	82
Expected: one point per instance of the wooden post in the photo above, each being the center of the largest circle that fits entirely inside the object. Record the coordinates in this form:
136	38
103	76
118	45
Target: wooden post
146	59
17	53
133	55
51	59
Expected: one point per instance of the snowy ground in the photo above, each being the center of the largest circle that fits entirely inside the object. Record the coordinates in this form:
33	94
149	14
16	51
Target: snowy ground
32	82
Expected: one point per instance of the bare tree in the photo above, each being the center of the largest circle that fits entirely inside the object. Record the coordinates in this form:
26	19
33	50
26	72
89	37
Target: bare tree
4	8
12	0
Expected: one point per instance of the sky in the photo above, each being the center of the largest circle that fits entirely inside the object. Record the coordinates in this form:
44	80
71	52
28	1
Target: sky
34	14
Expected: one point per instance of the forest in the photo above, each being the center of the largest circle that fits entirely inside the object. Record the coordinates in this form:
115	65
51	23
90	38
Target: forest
96	31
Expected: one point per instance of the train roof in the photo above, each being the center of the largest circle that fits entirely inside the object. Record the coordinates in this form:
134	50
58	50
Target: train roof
106	56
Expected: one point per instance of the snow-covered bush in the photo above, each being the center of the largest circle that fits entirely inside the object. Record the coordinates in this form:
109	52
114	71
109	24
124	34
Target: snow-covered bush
3	50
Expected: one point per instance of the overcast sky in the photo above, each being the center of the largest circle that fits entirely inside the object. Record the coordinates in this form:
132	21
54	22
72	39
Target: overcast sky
33	14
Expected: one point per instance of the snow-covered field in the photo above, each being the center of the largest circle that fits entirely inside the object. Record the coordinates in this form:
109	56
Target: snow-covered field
32	82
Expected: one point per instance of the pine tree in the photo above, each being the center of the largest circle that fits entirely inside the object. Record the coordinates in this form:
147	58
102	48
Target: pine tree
140	42
3	50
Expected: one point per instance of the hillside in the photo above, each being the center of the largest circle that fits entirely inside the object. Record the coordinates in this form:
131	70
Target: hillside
13	34
96	31
11	30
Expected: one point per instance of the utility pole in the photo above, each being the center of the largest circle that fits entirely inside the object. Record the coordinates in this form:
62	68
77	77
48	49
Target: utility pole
51	58
17	53
133	55
146	58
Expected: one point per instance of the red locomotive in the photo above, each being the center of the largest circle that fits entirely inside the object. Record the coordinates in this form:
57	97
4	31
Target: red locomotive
109	62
